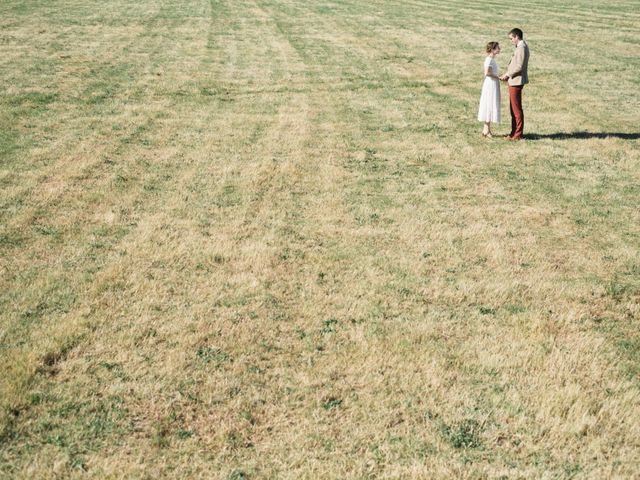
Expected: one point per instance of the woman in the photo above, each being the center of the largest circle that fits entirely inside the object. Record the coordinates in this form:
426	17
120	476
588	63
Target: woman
489	110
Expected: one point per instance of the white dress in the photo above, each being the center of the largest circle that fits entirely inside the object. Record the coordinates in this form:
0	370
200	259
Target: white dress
489	110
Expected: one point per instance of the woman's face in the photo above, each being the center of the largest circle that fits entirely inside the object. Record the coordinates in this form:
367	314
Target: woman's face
496	50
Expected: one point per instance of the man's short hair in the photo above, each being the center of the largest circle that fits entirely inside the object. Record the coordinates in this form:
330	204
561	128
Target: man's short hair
517	32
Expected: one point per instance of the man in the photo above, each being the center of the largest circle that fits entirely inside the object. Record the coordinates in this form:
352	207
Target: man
517	78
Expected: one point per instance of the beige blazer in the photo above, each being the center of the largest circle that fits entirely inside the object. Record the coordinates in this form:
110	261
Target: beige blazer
517	69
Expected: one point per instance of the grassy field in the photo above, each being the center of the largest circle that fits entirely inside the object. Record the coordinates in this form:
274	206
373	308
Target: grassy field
259	239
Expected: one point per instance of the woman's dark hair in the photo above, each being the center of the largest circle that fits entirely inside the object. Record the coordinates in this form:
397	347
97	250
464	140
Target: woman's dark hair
517	32
491	46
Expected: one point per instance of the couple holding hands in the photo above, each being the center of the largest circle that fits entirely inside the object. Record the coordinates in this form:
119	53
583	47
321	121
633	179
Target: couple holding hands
515	76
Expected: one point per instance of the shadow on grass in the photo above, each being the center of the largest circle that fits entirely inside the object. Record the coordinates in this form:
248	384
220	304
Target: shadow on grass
581	135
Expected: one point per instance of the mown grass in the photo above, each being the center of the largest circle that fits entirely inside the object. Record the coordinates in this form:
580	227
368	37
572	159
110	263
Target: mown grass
264	239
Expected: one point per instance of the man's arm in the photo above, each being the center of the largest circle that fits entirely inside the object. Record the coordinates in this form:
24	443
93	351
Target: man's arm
515	67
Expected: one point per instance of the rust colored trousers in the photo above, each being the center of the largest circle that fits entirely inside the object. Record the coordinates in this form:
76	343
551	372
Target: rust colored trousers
517	114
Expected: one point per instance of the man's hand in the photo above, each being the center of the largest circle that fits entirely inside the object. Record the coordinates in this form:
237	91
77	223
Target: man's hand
504	78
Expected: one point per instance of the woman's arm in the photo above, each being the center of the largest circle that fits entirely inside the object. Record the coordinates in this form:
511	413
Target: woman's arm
488	72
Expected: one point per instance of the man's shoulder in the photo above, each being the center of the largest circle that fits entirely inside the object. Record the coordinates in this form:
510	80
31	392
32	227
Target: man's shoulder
522	49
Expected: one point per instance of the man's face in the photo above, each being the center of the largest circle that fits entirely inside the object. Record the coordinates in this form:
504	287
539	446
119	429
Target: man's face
514	39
